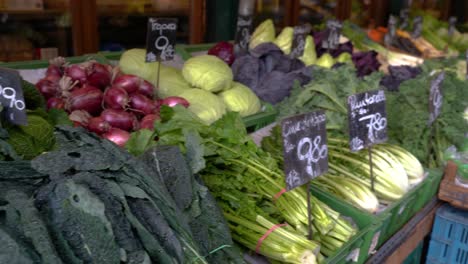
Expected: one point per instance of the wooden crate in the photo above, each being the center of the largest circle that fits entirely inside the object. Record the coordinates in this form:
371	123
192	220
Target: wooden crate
450	192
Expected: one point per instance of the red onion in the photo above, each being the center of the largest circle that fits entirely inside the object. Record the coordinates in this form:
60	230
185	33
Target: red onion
98	125
55	102
79	117
223	50
147	122
54	70
128	82
76	73
87	98
47	88
116	98
118	136
99	76
120	119
146	88
175	100
141	104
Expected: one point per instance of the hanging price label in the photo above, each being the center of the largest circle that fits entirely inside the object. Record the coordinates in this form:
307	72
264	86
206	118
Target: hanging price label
243	32
435	97
160	39
305	148
11	97
367	119
299	39
404	18
452	22
417	27
333	36
390	36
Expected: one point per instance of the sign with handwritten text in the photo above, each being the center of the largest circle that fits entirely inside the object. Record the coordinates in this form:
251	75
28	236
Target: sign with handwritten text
243	31
11	97
160	39
299	40
435	97
305	148
367	119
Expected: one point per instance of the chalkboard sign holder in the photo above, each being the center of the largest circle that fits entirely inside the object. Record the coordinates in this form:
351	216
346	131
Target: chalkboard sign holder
160	41
367	123
435	105
305	152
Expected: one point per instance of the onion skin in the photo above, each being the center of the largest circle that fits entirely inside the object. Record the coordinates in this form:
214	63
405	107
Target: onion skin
118	136
56	103
54	70
80	118
128	82
146	88
142	104
172	101
76	73
47	88
99	76
87	98
120	119
98	125
116	98
147	122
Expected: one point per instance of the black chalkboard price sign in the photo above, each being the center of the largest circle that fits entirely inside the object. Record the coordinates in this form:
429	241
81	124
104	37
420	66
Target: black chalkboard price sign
333	34
243	32
367	119
435	97
11	97
305	148
299	39
160	39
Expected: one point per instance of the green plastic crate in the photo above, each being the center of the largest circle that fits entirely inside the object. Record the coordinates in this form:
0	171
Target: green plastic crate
390	220
186	51
41	64
356	250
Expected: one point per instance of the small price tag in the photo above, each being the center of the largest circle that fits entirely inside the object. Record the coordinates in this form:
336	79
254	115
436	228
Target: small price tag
367	119
243	31
390	36
11	97
374	242
299	39
160	39
305	148
333	37
452	22
435	97
466	60
417	27
404	18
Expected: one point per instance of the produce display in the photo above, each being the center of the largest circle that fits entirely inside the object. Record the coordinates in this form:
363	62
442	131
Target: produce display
146	163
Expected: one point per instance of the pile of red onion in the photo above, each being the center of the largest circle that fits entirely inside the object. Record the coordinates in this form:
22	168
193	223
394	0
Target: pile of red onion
101	99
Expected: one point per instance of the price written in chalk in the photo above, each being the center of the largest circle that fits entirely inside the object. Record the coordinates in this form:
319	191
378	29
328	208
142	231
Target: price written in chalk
299	40
367	119
11	97
435	97
243	32
305	148
160	39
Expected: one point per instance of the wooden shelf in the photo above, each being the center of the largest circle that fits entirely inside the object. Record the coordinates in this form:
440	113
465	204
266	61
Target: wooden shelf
45	12
405	241
150	13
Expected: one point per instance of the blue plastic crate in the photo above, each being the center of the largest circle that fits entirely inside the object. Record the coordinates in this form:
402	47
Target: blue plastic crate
449	238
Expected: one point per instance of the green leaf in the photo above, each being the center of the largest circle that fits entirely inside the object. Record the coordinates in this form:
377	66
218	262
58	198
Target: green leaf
32	97
59	117
140	141
195	150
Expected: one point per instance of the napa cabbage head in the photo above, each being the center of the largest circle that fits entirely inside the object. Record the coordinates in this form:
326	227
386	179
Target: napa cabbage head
241	99
207	72
133	62
171	83
207	106
263	33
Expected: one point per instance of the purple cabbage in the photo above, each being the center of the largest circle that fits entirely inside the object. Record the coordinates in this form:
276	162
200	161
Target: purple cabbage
269	72
397	75
365	62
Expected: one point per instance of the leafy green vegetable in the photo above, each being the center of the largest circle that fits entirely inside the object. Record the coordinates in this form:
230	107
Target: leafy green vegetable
32	97
31	140
207	72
